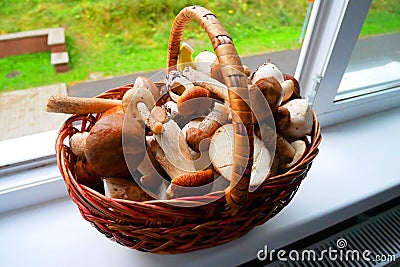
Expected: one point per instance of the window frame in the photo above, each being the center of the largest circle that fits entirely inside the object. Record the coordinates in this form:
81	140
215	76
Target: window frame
332	34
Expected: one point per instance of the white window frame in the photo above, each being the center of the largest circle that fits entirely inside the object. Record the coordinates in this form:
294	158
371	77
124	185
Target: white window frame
332	33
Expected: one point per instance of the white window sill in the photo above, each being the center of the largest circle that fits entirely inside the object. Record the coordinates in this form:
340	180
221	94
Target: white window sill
357	169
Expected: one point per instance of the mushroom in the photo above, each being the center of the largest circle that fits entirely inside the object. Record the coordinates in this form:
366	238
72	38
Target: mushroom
77	143
274	141
194	102
172	112
288	89
301	119
120	188
177	84
221	155
267	70
152	173
300	148
106	152
215	119
296	86
204	61
272	91
142	81
203	80
201	159
184	175
79	105
86	175
137	103
173	143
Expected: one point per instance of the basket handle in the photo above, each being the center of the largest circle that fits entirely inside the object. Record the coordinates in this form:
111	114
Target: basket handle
236	81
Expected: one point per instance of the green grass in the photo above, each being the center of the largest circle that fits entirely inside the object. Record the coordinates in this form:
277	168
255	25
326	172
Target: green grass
122	37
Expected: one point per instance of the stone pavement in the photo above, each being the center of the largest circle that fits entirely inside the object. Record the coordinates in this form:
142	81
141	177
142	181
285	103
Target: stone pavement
23	112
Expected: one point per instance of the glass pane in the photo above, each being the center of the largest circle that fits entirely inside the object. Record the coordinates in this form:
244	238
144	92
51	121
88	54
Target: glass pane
375	62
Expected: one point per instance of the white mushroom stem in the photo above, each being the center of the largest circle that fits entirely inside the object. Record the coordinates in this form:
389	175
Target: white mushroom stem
78	143
150	176
79	105
149	120
215	119
168	163
137	103
272	139
176	157
203	80
300	147
288	89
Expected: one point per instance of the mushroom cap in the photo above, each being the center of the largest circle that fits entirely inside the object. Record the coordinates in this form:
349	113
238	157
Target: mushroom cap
204	61
221	155
300	147
194	138
267	70
191	184
86	175
78	142
288	89
296	90
194	102
271	90
104	149
301	119
134	96
146	82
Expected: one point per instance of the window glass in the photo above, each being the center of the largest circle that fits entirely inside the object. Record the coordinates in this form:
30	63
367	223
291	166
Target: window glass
375	61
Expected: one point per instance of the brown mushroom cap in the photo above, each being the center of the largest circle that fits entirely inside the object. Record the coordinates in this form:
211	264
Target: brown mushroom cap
104	150
190	184
196	107
272	91
86	175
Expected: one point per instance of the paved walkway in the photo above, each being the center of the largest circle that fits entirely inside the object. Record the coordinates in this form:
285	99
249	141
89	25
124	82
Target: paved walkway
23	112
284	60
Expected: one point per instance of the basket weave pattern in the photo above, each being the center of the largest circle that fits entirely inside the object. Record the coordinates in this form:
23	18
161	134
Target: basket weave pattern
158	227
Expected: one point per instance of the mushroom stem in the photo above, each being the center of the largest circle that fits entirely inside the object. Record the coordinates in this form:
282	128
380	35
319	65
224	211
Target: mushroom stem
138	101
283	148
149	120
79	105
169	163
215	119
203	80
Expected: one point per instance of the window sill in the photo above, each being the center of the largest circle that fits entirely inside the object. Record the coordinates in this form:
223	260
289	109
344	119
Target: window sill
357	169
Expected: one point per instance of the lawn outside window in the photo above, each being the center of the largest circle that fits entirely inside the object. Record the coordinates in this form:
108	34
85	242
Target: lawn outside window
29	173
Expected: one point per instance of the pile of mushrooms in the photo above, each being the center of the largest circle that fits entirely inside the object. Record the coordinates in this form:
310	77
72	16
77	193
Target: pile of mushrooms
175	138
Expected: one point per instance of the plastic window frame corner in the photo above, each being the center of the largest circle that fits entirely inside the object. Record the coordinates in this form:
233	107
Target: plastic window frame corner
331	36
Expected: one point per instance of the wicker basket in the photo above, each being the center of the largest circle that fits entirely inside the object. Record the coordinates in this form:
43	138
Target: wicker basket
158	227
